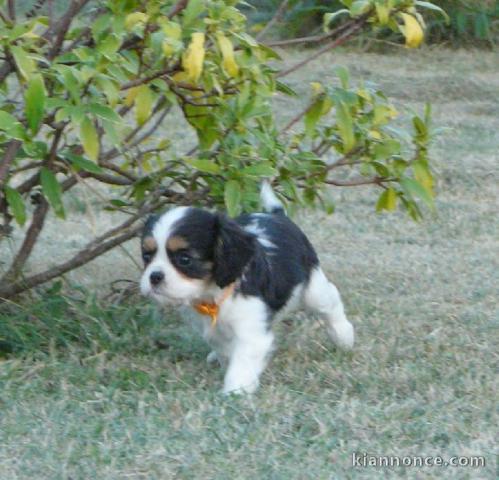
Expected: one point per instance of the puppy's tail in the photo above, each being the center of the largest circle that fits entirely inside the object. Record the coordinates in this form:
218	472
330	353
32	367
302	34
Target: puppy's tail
270	202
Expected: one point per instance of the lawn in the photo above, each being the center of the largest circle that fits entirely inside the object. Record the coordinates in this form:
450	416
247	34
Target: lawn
108	387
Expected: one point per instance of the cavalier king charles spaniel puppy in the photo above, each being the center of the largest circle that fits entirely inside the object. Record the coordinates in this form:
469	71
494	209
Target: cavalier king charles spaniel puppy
238	275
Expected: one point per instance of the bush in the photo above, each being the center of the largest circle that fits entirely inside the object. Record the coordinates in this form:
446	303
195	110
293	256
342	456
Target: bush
84	93
471	22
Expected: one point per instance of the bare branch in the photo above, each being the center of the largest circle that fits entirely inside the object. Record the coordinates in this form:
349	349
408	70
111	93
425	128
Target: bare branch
359	181
84	256
296	119
177	8
50	11
8	158
30	238
62	26
11	9
141	81
354	27
35	9
276	18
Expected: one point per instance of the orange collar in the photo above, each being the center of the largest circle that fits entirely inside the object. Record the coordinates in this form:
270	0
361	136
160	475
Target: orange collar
211	308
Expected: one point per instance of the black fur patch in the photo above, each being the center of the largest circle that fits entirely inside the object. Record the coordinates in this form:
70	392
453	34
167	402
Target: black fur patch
233	250
274	272
149	225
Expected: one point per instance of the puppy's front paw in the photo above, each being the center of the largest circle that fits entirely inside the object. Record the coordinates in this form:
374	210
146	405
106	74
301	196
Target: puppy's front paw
212	357
240	389
240	386
342	334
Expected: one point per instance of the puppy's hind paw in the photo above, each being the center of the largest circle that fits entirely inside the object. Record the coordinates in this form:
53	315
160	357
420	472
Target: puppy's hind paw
212	357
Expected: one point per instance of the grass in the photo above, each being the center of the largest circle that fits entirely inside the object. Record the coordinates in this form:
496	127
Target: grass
96	388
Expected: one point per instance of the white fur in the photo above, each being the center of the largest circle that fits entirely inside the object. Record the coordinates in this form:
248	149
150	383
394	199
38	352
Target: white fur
323	297
242	341
259	233
268	197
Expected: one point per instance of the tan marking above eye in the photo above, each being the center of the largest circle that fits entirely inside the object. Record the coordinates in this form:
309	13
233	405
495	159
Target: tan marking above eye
177	243
149	244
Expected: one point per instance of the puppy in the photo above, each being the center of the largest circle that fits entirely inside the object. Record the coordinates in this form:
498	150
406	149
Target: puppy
239	275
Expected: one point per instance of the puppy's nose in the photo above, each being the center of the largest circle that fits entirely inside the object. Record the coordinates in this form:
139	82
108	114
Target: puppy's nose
156	277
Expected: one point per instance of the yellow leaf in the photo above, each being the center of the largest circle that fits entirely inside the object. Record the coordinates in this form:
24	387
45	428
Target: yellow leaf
227	49
143	104
383	12
391	199
89	139
180	77
130	96
168	48
412	31
172	30
317	88
192	61
375	134
134	19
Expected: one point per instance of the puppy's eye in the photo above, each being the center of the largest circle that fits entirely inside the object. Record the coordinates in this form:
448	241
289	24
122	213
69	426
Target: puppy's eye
147	256
184	259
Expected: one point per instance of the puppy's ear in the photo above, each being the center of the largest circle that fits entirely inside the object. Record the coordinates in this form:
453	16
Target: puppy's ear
233	249
149	225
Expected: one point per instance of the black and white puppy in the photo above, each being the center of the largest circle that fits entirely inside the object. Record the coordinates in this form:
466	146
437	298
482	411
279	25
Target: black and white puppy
242	274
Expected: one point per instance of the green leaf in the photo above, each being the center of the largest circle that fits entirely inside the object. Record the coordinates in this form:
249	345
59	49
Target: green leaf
329	17
9	124
232	197
143	104
35	102
118	203
415	189
109	45
82	163
104	112
345	127
16	204
343	75
359	7
313	115
286	89
263	169
52	191
387	200
89	138
70	81
110	90
192	12
431	6
204	165
24	63
6	120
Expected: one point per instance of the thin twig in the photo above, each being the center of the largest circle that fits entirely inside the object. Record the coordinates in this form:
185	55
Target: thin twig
11	9
358	181
356	26
276	18
8	158
30	238
177	8
61	27
296	119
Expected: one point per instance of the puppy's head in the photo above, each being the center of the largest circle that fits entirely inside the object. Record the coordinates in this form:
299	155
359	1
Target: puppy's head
188	252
